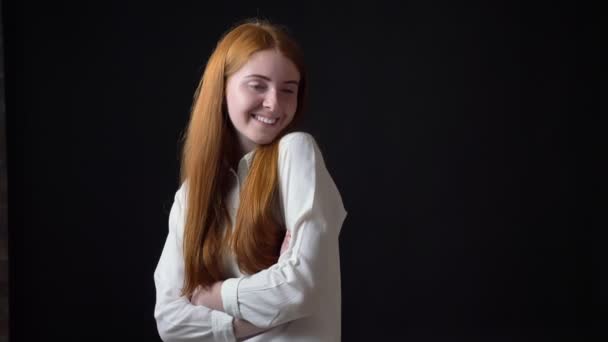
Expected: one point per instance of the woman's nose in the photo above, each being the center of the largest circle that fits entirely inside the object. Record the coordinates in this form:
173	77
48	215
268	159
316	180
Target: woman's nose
271	100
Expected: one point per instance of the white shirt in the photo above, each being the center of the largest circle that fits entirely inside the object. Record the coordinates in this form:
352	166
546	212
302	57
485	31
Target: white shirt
298	298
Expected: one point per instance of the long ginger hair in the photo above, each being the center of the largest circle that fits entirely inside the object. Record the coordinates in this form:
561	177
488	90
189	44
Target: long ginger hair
209	149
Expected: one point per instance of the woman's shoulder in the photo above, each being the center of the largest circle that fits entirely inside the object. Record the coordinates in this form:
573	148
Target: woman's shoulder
182	193
298	137
298	143
300	148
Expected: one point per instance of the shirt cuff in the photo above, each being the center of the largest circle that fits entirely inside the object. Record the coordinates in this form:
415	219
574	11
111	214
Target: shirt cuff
223	329
229	292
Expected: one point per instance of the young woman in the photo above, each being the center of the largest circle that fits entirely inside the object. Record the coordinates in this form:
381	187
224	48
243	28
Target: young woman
252	248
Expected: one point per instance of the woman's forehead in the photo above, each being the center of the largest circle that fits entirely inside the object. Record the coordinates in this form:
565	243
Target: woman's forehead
270	64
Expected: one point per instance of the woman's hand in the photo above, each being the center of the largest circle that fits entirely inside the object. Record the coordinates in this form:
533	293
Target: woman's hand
211	298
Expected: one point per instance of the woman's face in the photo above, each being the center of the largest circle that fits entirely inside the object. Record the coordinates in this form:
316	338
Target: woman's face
262	97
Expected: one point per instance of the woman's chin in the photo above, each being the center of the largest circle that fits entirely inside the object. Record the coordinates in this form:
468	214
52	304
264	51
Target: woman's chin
264	142
263	139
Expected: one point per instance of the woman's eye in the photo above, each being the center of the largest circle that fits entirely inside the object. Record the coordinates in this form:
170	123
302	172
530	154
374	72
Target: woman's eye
257	86
288	91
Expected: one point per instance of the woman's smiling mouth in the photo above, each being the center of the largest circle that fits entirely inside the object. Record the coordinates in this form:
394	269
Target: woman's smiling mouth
265	120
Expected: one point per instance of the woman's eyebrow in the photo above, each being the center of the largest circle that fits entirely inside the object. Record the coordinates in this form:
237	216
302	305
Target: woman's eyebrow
268	78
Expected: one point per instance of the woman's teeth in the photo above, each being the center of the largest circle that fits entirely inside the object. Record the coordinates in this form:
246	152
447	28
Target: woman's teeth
265	120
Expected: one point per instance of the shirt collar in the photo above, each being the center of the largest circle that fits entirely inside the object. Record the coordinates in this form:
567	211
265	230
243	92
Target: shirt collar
247	158
245	161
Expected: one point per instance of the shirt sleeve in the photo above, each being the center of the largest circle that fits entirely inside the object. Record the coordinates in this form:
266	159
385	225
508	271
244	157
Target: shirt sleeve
176	318
313	210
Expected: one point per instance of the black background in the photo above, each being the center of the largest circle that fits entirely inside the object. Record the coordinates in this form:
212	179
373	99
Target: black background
452	130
